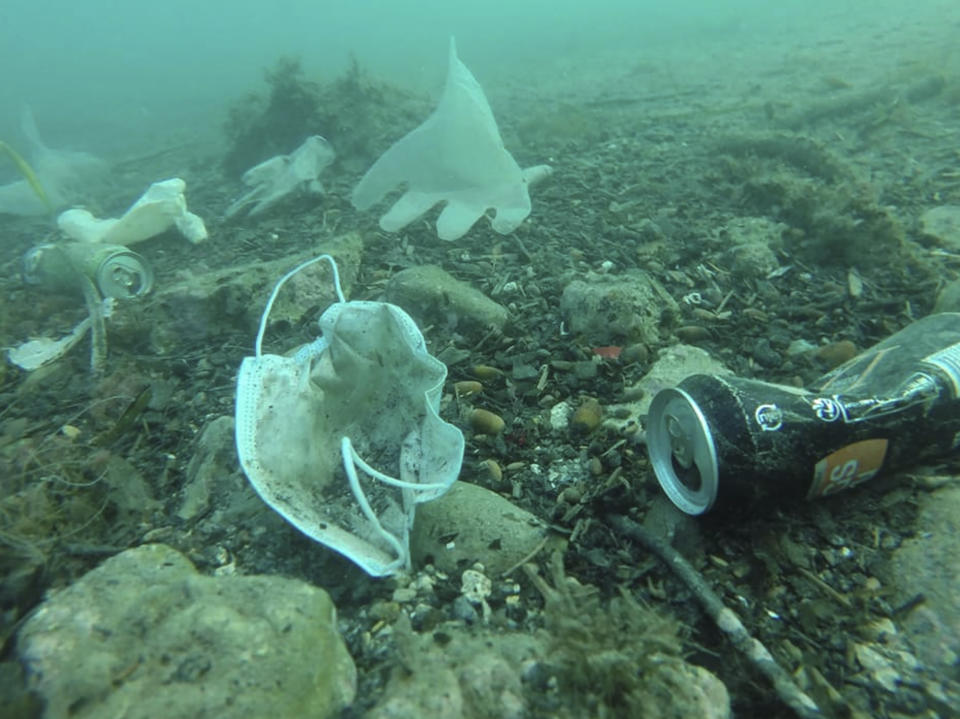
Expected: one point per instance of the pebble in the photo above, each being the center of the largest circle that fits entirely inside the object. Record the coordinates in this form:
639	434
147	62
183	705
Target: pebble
637	352
463	610
692	333
765	355
402	595
836	353
491	469
587	416
467	388
485	372
485	422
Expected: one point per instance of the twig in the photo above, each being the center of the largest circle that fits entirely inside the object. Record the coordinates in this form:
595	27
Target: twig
728	622
98	328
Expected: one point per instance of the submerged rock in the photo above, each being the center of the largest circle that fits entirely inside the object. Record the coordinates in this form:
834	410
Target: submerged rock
470	524
926	566
431	294
943	223
144	635
612	310
200	307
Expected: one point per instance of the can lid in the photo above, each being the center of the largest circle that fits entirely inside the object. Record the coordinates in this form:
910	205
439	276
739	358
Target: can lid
124	275
681	451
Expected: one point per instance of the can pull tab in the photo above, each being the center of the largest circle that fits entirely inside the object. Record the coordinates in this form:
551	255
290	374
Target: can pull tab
681	446
124	275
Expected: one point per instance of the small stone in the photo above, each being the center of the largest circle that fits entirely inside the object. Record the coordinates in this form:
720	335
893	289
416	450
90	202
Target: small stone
854	283
765	355
635	352
385	611
692	333
570	495
404	594
608	310
467	388
485	372
836	353
485	422
755	315
464	610
587	416
879	630
491	469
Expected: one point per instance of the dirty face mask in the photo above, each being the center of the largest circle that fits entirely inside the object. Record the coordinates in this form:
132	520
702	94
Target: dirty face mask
343	437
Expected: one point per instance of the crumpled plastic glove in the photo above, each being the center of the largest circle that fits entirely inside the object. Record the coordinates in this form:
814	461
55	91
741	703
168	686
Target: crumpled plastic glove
161	207
456	156
283	175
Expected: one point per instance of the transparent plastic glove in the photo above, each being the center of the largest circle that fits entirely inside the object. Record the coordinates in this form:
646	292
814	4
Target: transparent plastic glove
281	176
63	175
456	156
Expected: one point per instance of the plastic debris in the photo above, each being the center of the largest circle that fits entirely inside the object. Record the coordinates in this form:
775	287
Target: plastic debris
311	426
161	207
61	175
456	156
284	175
36	353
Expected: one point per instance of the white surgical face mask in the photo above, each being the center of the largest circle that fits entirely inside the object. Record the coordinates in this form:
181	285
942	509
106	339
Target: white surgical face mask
343	438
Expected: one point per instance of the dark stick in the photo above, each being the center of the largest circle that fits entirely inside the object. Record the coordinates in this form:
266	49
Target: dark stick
728	622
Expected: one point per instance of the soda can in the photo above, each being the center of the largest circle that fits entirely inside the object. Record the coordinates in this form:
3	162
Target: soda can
113	269
725	441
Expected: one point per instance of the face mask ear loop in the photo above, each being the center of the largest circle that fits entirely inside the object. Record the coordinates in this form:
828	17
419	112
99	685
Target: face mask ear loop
276	291
349	456
386	478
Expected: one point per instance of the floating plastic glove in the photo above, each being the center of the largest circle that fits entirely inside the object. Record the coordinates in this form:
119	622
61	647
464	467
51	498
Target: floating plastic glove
456	156
162	206
343	438
281	176
59	174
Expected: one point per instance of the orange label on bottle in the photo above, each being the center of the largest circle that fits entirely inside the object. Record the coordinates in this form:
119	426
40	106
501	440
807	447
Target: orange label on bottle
847	467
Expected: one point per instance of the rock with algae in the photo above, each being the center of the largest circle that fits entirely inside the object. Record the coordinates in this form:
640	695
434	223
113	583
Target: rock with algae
621	657
144	635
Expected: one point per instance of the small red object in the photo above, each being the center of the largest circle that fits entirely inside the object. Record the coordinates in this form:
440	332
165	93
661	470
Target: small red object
608	352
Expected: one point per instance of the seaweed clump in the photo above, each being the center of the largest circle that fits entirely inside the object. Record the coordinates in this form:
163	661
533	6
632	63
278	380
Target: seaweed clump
833	214
620	658
358	115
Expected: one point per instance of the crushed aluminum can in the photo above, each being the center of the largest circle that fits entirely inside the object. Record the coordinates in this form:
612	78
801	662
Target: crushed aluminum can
735	443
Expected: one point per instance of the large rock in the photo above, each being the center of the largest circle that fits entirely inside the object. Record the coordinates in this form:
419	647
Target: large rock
144	635
926	564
